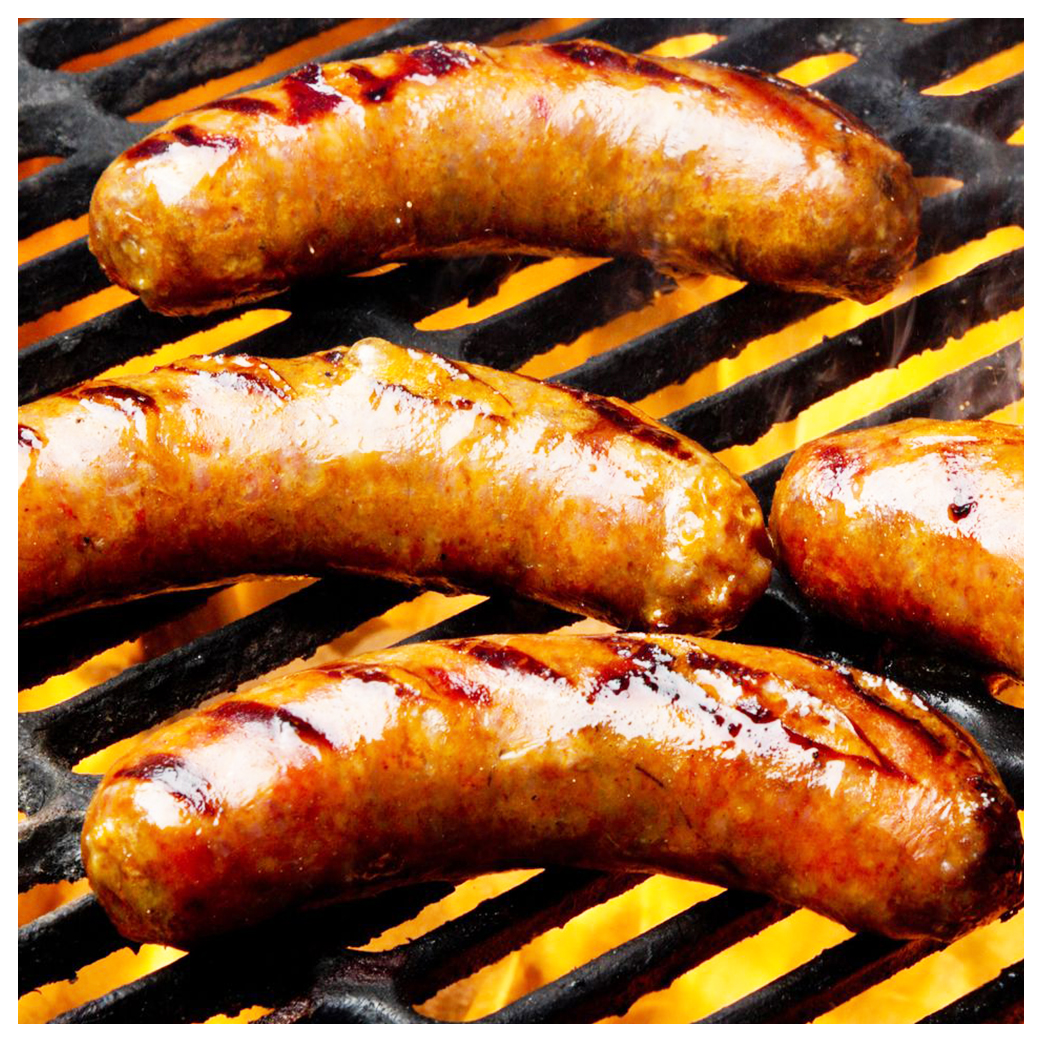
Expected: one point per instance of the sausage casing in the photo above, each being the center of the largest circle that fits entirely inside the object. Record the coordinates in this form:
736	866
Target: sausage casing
456	149
741	766
913	529
383	460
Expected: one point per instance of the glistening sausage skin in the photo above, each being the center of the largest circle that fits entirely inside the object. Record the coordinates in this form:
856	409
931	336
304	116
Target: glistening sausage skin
747	767
455	149
382	460
914	529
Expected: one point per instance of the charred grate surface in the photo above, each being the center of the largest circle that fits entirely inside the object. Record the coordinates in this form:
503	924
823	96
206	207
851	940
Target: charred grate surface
80	117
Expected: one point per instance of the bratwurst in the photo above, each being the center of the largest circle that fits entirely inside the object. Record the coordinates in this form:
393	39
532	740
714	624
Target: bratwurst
456	149
382	460
747	767
914	529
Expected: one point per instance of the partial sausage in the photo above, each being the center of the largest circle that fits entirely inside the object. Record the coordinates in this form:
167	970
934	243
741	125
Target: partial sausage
381	460
752	768
455	149
914	529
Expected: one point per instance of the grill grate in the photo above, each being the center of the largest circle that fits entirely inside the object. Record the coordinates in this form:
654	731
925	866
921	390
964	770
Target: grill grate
300	967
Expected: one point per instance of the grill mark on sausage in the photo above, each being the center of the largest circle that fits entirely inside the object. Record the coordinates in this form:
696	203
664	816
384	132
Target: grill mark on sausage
29	437
247	105
250	376
848	679
617	419
775	95
595	57
752	707
434	61
192	136
306	99
245	712
148	147
366	673
407	396
129	401
173	773
507	658
454	684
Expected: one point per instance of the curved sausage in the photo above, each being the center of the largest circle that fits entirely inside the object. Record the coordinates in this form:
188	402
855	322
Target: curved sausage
913	529
746	767
455	149
382	460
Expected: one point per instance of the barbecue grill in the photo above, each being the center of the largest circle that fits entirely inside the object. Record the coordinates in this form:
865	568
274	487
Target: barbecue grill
308	967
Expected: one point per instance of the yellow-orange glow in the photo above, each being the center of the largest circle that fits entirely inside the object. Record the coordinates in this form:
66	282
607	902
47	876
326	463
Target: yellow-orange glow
905	998
989	71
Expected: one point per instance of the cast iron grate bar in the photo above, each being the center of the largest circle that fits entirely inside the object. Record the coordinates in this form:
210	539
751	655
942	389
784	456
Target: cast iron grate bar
736	415
827	981
943	136
999	1000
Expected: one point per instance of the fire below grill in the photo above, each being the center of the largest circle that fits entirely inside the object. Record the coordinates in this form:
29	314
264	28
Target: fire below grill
303	967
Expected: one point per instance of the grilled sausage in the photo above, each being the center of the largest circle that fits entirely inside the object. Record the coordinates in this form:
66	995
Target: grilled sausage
454	149
382	460
914	529
747	767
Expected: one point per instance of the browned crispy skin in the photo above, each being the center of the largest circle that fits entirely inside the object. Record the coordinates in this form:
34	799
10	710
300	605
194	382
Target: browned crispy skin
456	149
914	529
748	767
383	460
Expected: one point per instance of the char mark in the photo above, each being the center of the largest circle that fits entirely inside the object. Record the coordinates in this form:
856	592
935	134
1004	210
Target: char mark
29	437
431	62
176	777
367	673
868	696
127	400
253	378
596	57
148	147
776	95
507	658
618	419
457	685
194	137
403	395
308	95
247	105
246	712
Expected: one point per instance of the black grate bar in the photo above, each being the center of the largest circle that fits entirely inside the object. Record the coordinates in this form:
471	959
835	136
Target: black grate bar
60	645
999	1000
955	136
610	984
325	313
737	415
216	662
48	42
265	965
58	944
639	34
216	50
56	279
671	353
827	981
386	984
971	392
